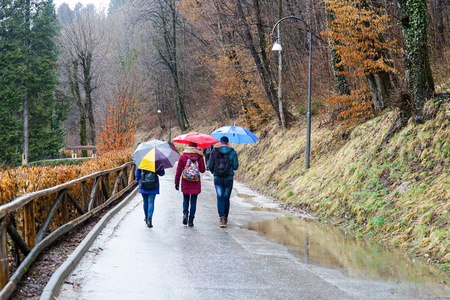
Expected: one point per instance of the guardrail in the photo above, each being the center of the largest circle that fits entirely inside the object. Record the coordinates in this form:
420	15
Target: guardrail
73	202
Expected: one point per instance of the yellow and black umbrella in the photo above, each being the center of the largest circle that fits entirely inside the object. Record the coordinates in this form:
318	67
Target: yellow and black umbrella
155	155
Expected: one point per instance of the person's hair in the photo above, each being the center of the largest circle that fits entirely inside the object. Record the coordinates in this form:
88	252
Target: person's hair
192	144
224	140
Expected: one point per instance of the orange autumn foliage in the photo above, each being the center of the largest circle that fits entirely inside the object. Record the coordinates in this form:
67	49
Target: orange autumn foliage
355	106
18	181
15	182
356	33
121	125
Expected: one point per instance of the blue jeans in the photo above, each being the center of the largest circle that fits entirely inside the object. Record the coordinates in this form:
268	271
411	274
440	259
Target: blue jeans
223	191
193	199
149	204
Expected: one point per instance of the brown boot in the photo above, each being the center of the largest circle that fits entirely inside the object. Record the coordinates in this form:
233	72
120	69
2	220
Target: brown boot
226	220
222	223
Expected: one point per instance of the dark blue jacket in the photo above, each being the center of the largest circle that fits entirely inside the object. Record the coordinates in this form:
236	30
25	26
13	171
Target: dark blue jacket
137	175
232	155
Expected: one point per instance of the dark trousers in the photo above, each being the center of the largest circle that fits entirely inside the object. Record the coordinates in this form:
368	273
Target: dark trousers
192	199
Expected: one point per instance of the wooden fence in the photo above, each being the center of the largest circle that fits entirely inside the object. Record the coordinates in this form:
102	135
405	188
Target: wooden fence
29	227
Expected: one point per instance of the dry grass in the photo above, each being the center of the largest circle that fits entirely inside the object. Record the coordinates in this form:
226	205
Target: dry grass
397	194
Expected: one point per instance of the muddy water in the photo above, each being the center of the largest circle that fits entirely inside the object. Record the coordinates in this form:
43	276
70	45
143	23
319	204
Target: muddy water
323	245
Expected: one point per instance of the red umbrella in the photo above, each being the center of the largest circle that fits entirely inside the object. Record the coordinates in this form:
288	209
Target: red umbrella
202	140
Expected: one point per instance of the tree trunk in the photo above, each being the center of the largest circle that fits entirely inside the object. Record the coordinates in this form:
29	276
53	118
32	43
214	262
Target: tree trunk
413	16
26	99
179	109
280	69
440	10
379	82
171	59
86	64
75	90
25	130
83	130
379	85
260	59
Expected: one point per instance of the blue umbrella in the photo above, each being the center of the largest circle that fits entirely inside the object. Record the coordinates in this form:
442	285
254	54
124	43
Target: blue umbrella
235	134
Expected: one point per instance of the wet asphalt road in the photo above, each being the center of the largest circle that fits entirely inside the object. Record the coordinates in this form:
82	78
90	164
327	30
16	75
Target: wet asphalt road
173	261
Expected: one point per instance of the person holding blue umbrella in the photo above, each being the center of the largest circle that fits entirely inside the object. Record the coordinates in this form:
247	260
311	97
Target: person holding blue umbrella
222	164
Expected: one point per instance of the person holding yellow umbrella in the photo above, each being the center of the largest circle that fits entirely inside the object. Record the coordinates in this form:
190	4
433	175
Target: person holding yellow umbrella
151	158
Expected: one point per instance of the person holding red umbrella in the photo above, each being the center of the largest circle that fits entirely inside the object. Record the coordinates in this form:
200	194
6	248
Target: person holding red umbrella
190	165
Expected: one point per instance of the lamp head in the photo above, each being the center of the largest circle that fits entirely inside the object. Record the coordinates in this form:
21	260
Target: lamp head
276	46
158	111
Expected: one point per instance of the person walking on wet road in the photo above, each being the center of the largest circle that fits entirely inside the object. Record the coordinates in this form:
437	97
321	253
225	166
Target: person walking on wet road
222	164
149	188
207	153
190	165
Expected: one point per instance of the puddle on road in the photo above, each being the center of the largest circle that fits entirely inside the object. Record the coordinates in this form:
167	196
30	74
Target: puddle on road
327	246
265	209
245	196
250	199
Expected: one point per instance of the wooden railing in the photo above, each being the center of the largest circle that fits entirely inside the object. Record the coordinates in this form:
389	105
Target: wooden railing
71	204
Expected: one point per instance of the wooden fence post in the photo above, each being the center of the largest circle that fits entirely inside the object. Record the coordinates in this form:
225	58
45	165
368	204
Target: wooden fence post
4	272
29	226
131	174
64	209
84	196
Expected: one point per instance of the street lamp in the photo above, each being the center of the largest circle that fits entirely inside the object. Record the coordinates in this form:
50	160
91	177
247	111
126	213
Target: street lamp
170	116
277	47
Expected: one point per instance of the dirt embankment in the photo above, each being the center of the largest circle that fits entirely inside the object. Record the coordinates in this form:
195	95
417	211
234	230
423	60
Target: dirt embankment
396	191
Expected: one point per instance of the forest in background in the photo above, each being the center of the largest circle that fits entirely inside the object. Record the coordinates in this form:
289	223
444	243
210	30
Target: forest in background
89	77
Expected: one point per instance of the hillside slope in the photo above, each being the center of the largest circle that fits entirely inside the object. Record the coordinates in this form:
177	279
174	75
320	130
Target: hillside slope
395	192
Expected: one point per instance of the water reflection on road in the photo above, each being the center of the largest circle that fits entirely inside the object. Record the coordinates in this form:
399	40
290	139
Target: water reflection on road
327	246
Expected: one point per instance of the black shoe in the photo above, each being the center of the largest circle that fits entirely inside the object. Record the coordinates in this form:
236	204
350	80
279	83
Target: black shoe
149	222
191	222
185	217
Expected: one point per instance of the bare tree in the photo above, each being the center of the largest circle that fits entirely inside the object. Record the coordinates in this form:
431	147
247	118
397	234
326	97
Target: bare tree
257	47
81	40
163	22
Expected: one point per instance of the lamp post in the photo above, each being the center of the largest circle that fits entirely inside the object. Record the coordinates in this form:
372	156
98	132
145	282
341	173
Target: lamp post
170	116
277	47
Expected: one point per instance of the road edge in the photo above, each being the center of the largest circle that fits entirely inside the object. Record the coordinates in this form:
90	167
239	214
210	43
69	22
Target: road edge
55	283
